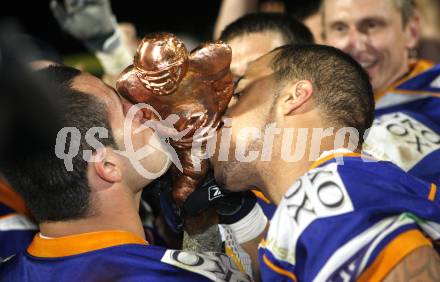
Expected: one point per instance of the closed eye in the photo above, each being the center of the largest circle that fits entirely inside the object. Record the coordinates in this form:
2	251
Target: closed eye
237	80
237	88
238	94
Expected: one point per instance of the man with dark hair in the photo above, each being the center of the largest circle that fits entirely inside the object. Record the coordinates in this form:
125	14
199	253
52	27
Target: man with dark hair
326	70
85	197
58	76
254	35
26	175
17	226
23	129
289	29
341	215
381	35
306	11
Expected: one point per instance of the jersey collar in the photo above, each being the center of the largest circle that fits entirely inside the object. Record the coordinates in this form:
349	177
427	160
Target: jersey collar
328	156
82	243
415	69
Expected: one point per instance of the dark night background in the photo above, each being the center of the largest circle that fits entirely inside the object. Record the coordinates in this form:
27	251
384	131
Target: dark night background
19	115
196	17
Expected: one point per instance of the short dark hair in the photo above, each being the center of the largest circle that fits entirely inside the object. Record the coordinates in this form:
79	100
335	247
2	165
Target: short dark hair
51	192
291	30
342	87
57	75
303	9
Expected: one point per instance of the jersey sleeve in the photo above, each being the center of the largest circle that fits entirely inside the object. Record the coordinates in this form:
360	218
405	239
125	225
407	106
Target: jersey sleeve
394	252
325	229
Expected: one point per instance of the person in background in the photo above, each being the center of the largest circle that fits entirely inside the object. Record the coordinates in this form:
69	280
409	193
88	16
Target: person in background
94	24
254	35
251	37
305	11
382	35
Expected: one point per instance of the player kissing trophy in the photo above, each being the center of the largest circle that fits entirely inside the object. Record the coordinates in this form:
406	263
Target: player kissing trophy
190	91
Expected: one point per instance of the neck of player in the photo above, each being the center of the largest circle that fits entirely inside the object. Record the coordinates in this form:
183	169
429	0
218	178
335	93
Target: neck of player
278	176
112	209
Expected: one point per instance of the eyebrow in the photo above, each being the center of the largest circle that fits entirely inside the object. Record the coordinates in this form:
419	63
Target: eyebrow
337	22
364	19
374	18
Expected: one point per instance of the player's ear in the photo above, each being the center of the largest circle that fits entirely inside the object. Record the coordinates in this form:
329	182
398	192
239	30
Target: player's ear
413	31
104	166
295	95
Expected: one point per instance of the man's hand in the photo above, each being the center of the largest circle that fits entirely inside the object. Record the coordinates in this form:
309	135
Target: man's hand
230	207
239	211
91	21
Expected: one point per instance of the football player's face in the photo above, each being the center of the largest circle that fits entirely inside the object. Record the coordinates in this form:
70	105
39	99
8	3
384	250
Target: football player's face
372	32
247	48
117	108
250	114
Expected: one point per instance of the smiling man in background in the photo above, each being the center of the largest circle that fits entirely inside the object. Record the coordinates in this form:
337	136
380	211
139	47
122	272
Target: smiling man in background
382	35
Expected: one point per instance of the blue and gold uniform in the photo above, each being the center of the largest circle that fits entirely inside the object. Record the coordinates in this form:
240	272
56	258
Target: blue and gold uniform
265	204
406	130
349	220
113	256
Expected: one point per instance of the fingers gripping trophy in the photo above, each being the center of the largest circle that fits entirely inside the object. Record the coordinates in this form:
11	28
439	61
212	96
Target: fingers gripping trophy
194	86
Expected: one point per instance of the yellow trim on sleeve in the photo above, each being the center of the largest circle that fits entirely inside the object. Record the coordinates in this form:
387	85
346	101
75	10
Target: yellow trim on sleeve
279	270
235	258
260	195
263	243
333	156
81	243
432	192
393	253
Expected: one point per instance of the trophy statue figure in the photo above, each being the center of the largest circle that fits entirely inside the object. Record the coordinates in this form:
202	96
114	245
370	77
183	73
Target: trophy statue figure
195	87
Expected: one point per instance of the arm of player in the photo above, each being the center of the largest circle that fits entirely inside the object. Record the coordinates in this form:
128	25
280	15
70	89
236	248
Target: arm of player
238	212
423	264
95	25
251	248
